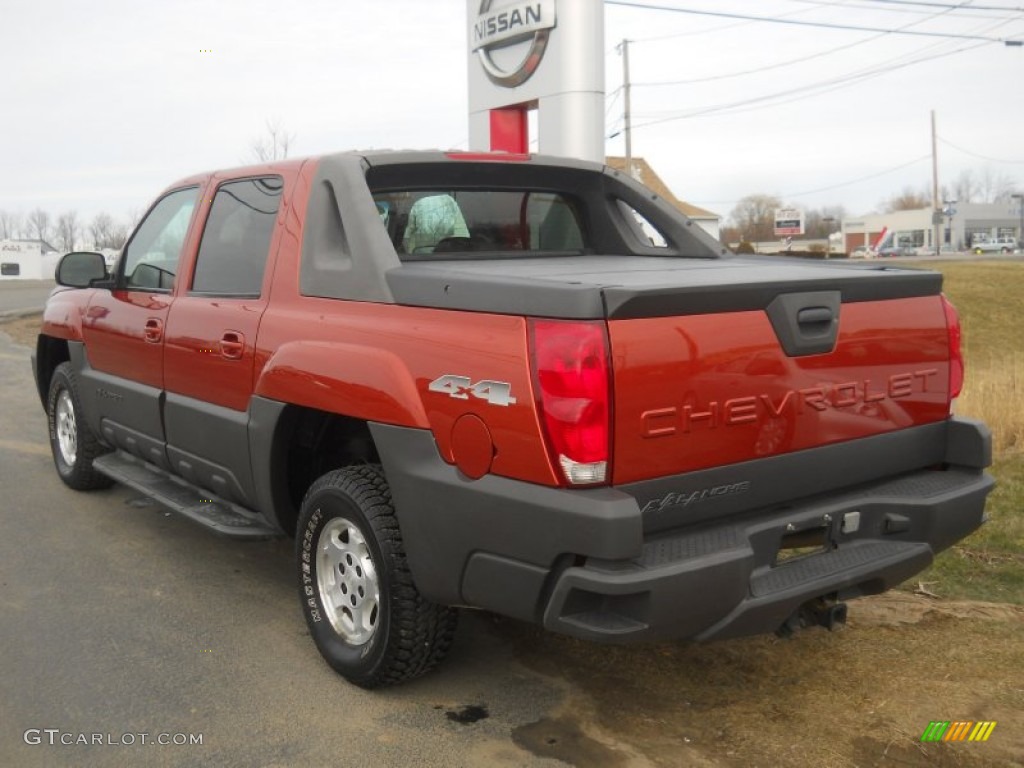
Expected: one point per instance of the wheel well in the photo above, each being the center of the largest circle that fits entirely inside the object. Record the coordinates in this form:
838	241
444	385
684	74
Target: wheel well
311	444
50	353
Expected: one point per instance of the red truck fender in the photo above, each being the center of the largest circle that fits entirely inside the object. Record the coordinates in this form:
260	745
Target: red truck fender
359	382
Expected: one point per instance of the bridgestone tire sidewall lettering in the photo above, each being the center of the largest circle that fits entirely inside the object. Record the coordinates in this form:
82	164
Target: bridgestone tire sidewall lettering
412	635
353	661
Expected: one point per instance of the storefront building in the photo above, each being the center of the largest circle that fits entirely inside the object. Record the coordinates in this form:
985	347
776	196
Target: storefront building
969	223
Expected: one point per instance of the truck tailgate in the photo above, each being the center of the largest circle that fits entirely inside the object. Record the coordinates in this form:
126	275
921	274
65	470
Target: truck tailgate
704	390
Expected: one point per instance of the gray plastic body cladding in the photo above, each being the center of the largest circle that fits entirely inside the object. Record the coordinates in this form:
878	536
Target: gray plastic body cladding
269	459
345	250
208	445
669	502
576	560
132	418
446	518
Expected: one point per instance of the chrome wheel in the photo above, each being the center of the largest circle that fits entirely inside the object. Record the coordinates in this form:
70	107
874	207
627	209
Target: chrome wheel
67	429
347	579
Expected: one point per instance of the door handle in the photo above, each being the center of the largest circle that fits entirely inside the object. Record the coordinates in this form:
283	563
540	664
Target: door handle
154	330
232	345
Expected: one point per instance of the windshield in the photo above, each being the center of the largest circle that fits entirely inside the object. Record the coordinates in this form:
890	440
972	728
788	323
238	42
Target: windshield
425	222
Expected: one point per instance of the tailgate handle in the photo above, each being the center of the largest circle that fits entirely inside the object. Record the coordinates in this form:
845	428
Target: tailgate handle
806	323
820	316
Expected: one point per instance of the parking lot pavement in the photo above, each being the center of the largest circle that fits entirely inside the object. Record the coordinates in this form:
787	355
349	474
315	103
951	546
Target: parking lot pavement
119	619
19	296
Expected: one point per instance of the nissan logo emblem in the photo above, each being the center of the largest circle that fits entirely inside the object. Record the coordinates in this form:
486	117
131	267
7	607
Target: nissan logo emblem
508	25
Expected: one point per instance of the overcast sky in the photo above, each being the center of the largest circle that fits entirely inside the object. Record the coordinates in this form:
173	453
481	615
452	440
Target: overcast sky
107	102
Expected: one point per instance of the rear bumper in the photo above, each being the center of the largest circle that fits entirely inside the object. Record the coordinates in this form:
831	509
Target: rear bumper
589	564
722	580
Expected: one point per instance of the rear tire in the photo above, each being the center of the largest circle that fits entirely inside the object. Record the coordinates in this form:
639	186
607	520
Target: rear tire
72	442
365	615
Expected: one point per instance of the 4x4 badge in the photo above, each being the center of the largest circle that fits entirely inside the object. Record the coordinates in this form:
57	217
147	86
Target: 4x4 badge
462	388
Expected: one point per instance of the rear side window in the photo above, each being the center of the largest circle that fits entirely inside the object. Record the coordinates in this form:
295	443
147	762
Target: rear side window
425	222
641	227
236	241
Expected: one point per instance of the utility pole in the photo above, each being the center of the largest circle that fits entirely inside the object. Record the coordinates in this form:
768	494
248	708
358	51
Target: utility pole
627	115
936	213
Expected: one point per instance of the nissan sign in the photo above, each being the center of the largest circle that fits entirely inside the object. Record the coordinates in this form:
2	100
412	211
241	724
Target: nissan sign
526	23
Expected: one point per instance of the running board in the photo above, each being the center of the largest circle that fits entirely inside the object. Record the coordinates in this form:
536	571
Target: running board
180	496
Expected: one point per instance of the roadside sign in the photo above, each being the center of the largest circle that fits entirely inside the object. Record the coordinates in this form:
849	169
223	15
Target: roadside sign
789	221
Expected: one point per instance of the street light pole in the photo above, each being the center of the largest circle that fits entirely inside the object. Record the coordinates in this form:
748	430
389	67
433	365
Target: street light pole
1019	197
827	220
950	211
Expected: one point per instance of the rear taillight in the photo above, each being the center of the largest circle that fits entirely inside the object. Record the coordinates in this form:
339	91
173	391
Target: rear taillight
956	354
571	377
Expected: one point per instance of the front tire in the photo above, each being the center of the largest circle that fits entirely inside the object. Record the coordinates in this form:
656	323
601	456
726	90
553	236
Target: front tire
72	442
364	612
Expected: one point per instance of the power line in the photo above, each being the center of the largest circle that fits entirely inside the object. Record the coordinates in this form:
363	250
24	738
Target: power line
865	4
814	89
818	24
709	30
758	70
779	65
828	188
862	178
983	157
958	6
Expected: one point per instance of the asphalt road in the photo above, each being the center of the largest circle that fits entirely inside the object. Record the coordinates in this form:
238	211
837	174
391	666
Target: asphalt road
119	619
18	296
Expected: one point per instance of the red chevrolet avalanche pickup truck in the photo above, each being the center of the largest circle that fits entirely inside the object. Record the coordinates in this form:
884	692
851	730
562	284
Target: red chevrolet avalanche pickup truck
516	383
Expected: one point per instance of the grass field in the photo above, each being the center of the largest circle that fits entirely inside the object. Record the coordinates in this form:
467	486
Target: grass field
989	565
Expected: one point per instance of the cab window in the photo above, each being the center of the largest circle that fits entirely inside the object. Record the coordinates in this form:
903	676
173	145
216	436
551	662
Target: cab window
151	258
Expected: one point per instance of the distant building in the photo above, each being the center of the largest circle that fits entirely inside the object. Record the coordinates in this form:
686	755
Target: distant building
971	222
642	172
27	260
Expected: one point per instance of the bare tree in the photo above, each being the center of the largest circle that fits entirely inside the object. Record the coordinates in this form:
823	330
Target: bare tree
815	224
39	224
10	225
994	186
754	216
100	229
68	229
965	188
908	200
274	145
118	234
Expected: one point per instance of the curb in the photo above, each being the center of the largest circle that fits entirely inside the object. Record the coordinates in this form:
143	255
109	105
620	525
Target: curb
15	314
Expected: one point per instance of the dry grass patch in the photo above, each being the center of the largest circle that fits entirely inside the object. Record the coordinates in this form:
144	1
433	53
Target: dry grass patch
989	565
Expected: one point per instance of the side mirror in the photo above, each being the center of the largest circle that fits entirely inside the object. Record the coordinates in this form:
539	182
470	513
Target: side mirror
79	268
